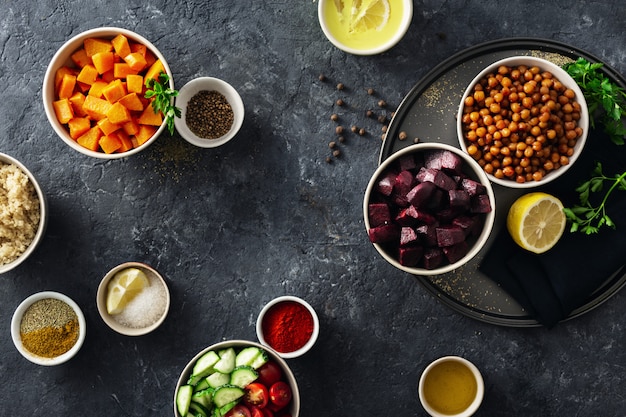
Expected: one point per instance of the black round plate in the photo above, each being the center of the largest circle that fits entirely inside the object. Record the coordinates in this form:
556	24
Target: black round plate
428	113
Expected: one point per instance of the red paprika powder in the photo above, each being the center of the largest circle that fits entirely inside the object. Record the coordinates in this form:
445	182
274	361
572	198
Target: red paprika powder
287	326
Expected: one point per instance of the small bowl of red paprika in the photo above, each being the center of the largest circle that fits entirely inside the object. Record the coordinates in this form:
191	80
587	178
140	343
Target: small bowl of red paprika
289	325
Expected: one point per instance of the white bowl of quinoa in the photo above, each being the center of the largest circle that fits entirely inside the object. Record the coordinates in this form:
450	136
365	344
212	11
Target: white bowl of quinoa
212	112
48	328
23	214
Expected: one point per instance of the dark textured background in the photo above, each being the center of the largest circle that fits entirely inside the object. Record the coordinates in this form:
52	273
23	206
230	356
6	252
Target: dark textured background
265	215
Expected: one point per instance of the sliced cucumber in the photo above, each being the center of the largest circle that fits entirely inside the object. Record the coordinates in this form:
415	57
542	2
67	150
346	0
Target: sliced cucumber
222	411
183	399
217	379
226	364
198	410
243	375
260	360
226	394
204	398
201	385
204	366
247	355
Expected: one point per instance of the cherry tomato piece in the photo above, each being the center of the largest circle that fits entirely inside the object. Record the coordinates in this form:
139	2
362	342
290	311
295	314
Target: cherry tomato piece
256	394
256	411
267	412
239	410
280	394
269	373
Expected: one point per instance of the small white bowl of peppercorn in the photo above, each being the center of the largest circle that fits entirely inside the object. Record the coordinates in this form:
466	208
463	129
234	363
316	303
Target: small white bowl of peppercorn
525	120
212	112
48	328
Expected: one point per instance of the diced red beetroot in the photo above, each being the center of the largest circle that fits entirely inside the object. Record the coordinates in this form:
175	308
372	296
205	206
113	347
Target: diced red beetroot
407	216
407	236
386	183
449	235
404	182
437	177
432	258
410	255
480	204
383	234
407	163
472	187
437	201
455	252
427	234
459	199
419	196
443	159
378	214
469	224
446	215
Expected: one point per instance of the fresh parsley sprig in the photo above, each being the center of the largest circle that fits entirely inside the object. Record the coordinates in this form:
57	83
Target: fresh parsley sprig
163	99
586	217
602	95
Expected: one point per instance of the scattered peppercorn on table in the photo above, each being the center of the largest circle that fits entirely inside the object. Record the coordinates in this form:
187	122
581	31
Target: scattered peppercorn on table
275	211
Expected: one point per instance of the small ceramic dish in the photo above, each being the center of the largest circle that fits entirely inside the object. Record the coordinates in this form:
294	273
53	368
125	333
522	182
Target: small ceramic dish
38	320
145	312
303	330
368	42
190	90
451	386
582	123
43	215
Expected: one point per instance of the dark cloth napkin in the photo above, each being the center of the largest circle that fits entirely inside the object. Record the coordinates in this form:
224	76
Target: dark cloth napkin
553	284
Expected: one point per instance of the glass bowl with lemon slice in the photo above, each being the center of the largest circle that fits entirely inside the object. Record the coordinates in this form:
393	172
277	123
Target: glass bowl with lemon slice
133	299
365	27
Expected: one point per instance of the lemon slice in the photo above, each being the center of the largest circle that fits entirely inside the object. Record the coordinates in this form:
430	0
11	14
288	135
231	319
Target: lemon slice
369	15
123	287
536	221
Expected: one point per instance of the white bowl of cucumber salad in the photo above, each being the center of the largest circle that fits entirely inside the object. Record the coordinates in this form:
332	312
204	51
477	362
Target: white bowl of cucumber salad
236	377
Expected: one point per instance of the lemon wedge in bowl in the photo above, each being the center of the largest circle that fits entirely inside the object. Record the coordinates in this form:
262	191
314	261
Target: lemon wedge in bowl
536	221
369	15
123	287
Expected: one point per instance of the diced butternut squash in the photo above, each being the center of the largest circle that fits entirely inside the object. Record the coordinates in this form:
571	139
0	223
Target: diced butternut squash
127	143
77	101
150	57
145	133
122	70
136	61
66	89
107	127
110	143
59	74
95	45
103	61
78	126
154	71
149	117
134	83
63	110
132	102
88	74
131	128
114	91
80	58
108	76
91	139
138	47
118	114
96	108
121	45
97	88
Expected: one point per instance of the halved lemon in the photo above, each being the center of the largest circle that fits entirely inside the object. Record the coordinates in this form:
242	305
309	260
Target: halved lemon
123	287
369	15
536	221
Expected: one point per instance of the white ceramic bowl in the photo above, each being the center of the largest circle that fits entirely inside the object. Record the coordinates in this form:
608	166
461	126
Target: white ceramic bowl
471	169
101	296
480	387
17	320
62	57
293	409
43	218
289	299
560	74
401	23
208	84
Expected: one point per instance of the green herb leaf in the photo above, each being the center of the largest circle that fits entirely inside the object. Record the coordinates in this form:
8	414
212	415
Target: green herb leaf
162	99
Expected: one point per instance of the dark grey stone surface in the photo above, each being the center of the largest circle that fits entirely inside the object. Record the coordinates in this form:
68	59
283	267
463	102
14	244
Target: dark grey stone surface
265	215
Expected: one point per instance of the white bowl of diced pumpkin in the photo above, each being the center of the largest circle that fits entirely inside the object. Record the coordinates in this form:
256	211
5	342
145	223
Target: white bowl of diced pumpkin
94	92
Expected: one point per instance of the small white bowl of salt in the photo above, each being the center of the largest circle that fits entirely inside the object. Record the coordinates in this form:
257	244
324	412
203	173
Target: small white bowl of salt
133	299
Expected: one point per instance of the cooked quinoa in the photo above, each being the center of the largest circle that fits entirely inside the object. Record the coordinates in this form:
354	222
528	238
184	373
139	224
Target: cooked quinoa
19	212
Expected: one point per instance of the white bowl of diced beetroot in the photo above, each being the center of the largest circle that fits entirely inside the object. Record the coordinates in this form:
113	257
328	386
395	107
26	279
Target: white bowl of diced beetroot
429	208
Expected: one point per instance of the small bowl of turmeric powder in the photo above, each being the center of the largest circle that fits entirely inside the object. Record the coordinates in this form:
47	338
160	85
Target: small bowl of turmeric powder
48	328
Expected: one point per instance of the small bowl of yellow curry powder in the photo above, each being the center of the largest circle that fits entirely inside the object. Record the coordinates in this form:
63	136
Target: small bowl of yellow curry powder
48	328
